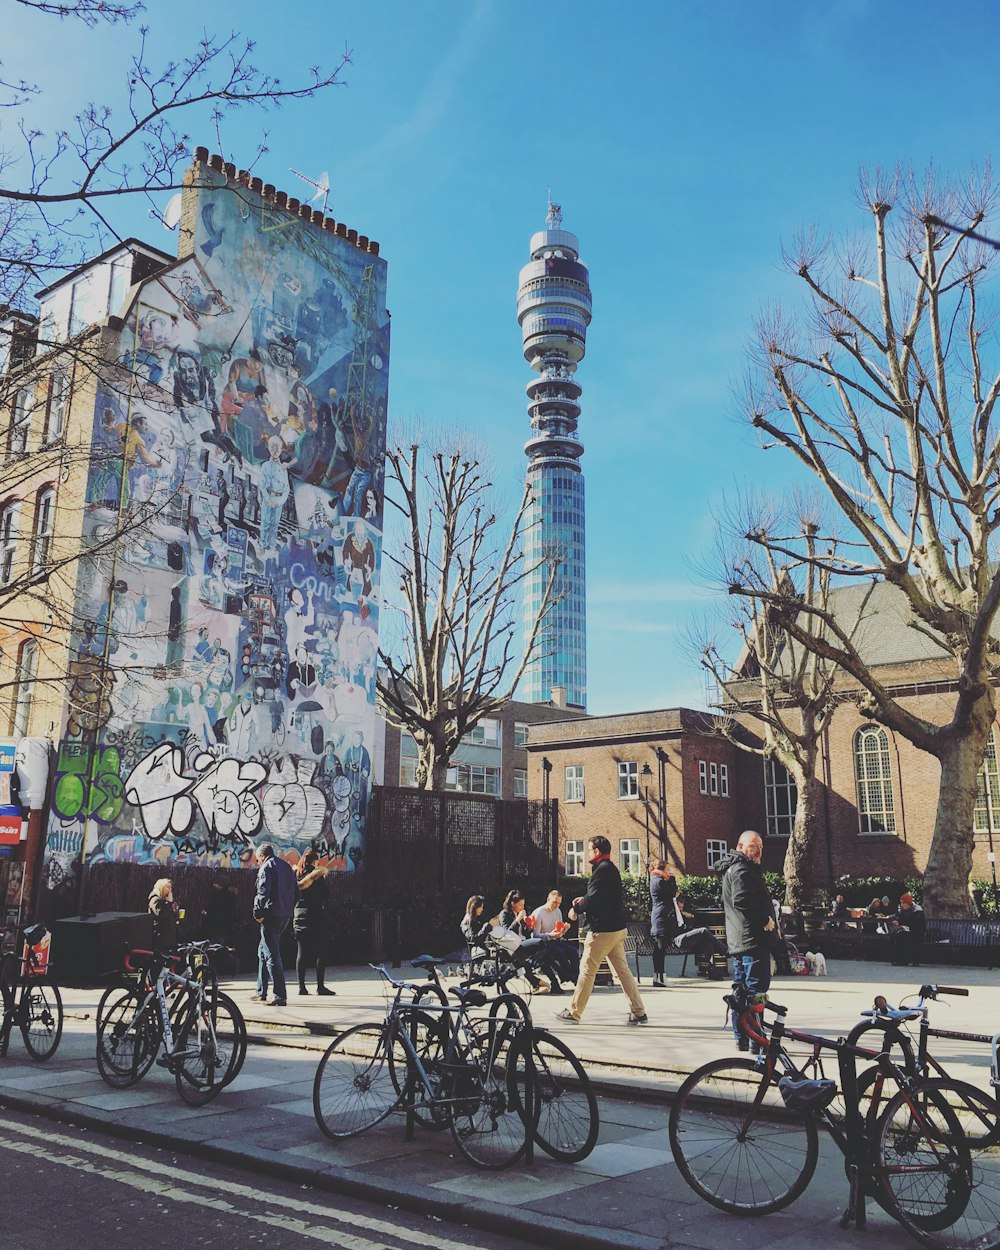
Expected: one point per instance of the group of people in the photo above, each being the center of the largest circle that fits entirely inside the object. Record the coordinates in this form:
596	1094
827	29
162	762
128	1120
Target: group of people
534	941
905	925
284	895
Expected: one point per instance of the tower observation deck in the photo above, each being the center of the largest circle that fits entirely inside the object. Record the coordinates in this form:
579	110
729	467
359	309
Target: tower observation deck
553	309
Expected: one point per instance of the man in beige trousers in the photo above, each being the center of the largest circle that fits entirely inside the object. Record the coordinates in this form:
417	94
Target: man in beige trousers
604	907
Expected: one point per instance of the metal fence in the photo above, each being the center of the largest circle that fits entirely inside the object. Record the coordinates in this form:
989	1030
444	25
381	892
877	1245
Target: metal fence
421	841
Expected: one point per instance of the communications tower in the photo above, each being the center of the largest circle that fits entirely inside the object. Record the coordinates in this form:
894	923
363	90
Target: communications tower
553	309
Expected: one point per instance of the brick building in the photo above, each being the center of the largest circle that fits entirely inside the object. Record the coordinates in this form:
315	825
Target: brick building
654	783
879	792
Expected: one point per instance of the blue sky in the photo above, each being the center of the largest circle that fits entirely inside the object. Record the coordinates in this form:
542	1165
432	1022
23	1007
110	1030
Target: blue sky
685	142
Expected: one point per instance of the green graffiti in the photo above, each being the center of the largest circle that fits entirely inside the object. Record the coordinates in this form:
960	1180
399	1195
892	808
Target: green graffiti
106	790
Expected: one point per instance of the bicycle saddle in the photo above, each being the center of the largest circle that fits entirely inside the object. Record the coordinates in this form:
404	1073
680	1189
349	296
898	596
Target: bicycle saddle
34	934
469	996
807	1095
426	961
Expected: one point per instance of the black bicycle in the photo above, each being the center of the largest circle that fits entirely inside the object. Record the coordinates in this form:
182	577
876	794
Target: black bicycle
30	1000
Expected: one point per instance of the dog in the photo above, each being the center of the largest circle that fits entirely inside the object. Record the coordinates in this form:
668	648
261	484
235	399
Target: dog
817	963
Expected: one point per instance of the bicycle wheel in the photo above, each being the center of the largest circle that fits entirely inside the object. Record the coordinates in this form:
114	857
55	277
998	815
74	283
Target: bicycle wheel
736	1144
429	1032
111	996
230	1036
128	1040
938	1178
486	1096
197	1063
566	1120
42	1021
355	1086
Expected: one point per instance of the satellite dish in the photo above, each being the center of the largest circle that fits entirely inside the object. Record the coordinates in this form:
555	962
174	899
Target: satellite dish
172	213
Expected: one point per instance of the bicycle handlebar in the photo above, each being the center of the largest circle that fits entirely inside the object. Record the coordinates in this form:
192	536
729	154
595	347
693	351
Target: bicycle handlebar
932	991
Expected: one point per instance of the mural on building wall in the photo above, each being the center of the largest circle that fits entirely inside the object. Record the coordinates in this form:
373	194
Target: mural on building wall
223	675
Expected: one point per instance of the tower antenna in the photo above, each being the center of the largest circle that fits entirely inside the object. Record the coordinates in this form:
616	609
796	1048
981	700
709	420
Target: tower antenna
553	218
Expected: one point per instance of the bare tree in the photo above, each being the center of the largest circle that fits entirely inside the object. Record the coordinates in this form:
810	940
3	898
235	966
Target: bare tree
460	658
885	391
782	689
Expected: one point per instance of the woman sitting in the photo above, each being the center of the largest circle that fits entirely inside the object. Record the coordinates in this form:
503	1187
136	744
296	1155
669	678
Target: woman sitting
531	953
475	928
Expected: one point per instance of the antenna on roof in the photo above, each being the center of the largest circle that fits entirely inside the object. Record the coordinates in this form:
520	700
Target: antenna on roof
322	187
553	219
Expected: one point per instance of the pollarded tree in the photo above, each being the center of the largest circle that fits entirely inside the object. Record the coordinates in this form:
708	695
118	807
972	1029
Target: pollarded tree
783	690
458	657
885	390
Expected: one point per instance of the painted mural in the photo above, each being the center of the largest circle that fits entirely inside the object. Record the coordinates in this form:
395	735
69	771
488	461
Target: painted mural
223	675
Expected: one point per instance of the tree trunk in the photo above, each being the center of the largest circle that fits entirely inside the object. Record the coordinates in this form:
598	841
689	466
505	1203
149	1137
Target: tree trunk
949	864
432	766
799	867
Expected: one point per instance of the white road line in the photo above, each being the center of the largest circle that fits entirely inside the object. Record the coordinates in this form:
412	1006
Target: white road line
131	1167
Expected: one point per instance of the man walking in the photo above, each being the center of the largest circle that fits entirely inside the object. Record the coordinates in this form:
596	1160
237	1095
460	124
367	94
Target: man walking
749	921
273	905
604	907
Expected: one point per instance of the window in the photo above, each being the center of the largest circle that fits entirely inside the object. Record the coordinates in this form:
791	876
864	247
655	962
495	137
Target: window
780	799
574	783
408	771
20	422
41	544
628	780
713	778
574	859
628	857
702	777
986	816
474	779
8	541
520	783
27	667
876	812
485	733
520	734
724	780
716	849
55	421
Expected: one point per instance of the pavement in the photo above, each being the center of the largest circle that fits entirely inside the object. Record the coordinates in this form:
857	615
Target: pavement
628	1192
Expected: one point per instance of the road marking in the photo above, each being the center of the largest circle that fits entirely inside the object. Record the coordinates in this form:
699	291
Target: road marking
129	1174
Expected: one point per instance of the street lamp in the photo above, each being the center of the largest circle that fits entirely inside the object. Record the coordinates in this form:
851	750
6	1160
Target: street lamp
647	772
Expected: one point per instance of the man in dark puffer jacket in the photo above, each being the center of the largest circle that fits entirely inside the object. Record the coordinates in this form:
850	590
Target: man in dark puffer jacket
749	922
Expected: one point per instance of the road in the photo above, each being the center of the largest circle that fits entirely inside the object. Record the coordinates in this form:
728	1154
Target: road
65	1187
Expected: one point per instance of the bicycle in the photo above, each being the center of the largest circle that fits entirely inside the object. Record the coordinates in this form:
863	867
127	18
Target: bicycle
30	1000
439	1065
568	1121
192	960
203	1042
744	1135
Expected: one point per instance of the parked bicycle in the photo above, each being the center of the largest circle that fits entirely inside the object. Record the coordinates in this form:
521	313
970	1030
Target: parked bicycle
743	1133
201	1040
191	960
30	1000
568	1121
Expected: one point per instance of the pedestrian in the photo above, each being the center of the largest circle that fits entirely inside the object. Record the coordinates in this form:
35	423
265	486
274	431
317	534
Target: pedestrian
273	905
165	912
749	924
665	921
604	907
309	921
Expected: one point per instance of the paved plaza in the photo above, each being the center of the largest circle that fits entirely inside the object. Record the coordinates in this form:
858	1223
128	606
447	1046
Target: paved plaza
628	1192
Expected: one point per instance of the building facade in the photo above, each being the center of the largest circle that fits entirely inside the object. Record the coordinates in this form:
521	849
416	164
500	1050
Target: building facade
554	310
217	492
492	759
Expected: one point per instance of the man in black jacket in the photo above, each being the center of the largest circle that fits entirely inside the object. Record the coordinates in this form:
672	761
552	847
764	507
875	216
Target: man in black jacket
604	907
749	922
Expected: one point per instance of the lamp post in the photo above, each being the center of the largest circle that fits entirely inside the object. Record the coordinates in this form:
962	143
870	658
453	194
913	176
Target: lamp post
647	772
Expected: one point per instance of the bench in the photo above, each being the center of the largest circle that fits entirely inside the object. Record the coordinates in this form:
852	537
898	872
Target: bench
638	941
972	942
